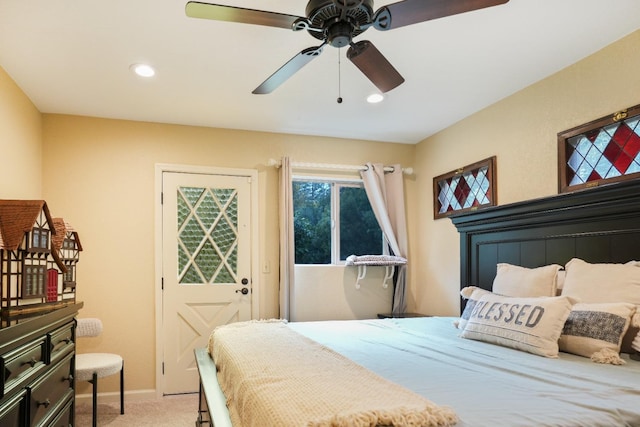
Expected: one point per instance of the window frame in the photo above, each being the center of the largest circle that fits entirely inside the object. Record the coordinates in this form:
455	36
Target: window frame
69	276
33	276
335	185
39	240
68	243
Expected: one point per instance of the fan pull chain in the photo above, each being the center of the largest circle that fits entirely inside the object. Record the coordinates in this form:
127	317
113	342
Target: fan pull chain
339	80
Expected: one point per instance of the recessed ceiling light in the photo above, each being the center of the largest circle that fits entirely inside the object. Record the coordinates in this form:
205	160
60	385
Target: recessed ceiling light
143	70
375	98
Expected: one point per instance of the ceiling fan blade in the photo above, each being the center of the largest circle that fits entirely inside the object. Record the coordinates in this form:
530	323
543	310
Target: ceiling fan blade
219	12
374	65
287	70
409	12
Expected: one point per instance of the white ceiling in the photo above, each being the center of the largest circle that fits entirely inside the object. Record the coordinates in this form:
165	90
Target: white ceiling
73	57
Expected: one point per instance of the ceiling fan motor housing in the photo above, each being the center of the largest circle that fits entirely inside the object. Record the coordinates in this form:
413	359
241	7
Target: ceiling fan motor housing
339	33
341	22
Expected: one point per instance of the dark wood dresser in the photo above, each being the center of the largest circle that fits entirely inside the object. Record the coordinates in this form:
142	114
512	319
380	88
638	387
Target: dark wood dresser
37	356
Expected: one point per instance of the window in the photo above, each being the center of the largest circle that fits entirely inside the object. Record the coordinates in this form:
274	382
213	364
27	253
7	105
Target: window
69	244
39	239
332	220
69	275
34	281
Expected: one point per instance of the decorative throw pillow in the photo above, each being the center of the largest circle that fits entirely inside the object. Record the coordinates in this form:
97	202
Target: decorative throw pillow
598	283
596	331
516	281
533	325
472	294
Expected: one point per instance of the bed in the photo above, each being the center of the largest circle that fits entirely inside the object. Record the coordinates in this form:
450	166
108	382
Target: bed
482	383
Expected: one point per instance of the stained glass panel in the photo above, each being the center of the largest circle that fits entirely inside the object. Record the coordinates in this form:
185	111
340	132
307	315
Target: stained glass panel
605	150
467	188
207	235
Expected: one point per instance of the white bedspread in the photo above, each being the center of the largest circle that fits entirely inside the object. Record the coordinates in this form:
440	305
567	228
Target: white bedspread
485	384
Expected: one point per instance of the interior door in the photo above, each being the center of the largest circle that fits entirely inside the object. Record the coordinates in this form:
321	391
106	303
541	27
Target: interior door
206	266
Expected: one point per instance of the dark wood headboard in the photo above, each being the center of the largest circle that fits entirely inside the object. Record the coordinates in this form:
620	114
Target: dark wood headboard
600	224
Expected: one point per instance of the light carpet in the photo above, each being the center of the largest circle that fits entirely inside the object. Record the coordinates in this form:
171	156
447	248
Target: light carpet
170	411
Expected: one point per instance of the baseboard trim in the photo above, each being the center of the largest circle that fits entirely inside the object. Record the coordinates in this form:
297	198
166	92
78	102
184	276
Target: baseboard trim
135	395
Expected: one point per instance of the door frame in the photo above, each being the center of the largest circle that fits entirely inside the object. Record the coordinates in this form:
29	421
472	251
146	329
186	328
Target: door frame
161	168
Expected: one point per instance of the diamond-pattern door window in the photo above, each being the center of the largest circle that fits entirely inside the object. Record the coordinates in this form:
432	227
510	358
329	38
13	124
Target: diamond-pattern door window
207	235
465	189
605	150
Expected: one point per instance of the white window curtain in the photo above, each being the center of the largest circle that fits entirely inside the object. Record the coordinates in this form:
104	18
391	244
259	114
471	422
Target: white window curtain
287	254
386	195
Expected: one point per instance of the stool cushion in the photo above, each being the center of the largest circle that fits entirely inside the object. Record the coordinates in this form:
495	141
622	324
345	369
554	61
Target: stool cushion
103	364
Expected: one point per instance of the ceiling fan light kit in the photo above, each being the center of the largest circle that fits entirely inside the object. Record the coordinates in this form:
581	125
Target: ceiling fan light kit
337	23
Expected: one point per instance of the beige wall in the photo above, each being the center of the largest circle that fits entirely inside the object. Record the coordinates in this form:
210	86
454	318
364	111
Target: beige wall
20	143
315	282
521	131
99	175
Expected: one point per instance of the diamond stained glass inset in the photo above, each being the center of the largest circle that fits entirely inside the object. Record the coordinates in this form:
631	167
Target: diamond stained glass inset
607	152
467	190
207	235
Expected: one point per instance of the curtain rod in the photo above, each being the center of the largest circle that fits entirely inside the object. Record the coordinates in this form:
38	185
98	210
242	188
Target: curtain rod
331	166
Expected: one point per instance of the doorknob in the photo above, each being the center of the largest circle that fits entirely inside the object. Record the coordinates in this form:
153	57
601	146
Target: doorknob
243	291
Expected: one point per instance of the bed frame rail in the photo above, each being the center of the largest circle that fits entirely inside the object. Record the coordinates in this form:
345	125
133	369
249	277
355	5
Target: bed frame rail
212	406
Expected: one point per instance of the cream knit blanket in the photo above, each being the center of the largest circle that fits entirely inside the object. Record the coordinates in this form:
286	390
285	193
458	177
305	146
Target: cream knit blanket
274	376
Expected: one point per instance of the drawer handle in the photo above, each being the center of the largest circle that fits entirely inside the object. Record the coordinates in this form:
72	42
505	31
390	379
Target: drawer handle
45	403
69	378
64	342
31	362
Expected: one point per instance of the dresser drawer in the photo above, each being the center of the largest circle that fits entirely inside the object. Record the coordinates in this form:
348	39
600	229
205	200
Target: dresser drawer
22	364
62	415
47	393
12	413
61	341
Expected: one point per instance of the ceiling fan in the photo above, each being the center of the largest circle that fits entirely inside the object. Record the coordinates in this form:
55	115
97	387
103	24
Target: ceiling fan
337	23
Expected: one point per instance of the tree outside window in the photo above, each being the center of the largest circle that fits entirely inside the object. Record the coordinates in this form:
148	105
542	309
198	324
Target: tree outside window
333	220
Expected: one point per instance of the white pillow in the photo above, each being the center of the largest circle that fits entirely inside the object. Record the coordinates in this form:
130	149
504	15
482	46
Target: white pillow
596	330
533	325
516	281
560	281
598	283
